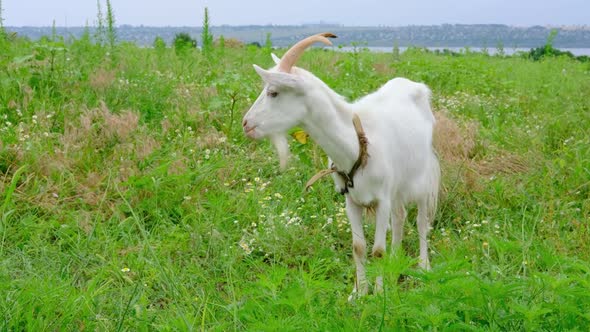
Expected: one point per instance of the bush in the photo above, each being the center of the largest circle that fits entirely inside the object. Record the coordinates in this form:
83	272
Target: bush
548	50
159	43
538	53
183	42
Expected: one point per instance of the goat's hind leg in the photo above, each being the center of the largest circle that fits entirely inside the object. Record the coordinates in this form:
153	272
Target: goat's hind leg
424	220
383	214
398	219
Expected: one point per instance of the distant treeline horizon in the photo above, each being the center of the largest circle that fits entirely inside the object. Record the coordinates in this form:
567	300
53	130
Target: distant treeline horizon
444	35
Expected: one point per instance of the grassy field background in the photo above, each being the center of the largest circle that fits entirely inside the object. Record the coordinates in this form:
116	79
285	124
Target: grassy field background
130	199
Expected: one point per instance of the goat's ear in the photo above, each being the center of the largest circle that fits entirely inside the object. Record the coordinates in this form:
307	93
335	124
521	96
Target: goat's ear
275	58
279	79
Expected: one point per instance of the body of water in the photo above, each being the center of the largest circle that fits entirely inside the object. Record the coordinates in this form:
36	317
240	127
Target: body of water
491	51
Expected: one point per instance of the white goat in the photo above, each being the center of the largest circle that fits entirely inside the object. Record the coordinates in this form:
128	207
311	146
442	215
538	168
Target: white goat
401	166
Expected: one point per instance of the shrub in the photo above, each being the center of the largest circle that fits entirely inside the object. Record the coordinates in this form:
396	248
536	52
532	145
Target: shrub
183	42
159	45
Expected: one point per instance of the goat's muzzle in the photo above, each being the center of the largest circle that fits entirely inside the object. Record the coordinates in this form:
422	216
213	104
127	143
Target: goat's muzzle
249	130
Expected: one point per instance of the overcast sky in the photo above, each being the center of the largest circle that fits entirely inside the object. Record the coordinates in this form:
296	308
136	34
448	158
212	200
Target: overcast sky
261	12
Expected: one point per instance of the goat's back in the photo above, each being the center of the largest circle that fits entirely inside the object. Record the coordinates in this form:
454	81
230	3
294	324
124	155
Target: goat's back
400	107
398	123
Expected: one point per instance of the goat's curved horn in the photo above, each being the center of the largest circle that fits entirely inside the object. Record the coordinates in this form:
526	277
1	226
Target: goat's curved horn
296	50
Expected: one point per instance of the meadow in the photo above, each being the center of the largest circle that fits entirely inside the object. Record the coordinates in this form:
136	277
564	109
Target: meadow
131	200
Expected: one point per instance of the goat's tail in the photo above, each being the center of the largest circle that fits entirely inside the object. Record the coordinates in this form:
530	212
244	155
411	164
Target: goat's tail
421	96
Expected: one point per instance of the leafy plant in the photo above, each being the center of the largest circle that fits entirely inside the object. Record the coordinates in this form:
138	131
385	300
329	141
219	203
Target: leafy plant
101	33
111	30
206	36
220	45
2	32
268	43
159	45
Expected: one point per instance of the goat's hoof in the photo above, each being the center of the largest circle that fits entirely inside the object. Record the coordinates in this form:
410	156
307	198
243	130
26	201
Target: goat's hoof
356	294
424	265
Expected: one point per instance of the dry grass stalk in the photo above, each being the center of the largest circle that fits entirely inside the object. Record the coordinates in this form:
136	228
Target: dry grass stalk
98	126
178	167
102	79
457	144
454	142
145	146
210	139
383	68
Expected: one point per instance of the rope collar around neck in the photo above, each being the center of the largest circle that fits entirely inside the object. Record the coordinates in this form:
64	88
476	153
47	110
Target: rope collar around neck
360	162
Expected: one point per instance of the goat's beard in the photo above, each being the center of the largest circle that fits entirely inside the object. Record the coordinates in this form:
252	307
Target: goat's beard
282	145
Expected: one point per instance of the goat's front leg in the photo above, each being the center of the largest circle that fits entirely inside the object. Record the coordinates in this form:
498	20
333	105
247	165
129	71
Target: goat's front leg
383	213
359	247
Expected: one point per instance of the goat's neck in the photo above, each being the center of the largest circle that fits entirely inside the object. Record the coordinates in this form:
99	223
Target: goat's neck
329	123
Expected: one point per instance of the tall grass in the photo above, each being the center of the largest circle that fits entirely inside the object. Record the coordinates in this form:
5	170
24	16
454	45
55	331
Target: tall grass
132	201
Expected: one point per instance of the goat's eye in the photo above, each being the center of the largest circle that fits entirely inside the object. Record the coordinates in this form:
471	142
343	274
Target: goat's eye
272	94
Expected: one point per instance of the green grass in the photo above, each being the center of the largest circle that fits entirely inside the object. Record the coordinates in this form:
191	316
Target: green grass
130	199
